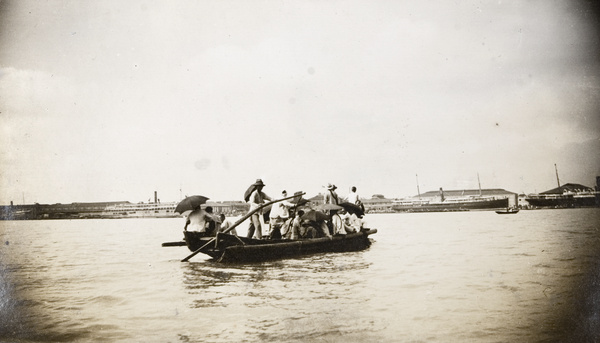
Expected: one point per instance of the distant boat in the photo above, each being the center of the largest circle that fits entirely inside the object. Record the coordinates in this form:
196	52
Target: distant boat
511	210
141	210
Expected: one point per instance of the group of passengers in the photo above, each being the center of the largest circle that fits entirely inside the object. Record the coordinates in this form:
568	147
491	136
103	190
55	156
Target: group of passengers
289	219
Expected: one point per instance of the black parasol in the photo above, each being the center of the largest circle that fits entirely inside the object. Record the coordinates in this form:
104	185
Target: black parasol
190	203
353	209
314	216
328	207
298	200
301	202
252	188
249	191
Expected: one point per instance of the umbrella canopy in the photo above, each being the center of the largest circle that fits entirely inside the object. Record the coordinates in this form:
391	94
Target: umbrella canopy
314	216
252	188
353	209
300	202
328	207
249	191
190	203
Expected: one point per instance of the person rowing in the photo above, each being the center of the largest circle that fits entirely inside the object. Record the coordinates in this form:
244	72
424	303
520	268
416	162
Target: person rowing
256	198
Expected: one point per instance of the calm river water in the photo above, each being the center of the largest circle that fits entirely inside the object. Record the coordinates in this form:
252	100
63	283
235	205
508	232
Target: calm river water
431	277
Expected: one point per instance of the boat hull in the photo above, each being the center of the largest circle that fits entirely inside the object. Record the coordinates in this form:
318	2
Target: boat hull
227	248
511	211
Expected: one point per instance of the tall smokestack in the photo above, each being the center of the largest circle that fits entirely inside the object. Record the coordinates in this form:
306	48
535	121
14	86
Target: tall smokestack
155	197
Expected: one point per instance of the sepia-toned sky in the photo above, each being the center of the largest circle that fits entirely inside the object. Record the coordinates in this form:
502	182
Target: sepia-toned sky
113	100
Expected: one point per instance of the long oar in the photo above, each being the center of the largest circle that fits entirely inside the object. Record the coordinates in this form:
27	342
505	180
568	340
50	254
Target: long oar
238	222
174	244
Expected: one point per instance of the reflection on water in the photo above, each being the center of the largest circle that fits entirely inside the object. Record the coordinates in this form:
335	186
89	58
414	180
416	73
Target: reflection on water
283	283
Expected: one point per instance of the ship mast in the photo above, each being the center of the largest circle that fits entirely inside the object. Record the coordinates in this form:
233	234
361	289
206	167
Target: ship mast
418	191
479	182
557	180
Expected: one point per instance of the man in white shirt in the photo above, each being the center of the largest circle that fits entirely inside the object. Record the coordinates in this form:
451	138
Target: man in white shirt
331	197
352	197
257	198
339	226
281	209
280	212
225	225
198	219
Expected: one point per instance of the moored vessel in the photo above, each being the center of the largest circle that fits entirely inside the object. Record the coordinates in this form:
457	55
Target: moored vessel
454	200
465	200
448	205
141	210
566	196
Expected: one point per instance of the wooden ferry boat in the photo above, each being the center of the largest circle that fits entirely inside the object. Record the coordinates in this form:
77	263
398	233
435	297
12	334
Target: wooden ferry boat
228	248
225	247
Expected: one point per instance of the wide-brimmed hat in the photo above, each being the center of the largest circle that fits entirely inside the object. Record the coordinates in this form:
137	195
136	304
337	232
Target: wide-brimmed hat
258	183
330	186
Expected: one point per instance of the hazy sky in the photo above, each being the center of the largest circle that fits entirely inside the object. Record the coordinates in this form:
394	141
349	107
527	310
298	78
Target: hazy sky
113	100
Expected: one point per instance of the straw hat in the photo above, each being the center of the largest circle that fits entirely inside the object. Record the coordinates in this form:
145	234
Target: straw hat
330	186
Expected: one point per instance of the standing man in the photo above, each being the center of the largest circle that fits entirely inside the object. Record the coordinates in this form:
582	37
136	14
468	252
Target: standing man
331	196
352	197
280	213
257	198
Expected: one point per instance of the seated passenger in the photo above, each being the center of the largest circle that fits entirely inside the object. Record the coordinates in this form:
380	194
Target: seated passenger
351	220
286	229
199	220
339	227
225	225
212	222
297	230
